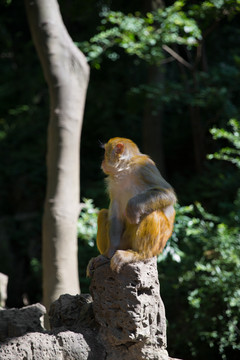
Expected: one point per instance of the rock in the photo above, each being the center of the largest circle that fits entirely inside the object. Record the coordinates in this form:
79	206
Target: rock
130	311
72	312
125	320
75	313
24	338
65	345
17	322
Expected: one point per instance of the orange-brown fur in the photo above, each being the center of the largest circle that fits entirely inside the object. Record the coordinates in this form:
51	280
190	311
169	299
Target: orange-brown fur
141	215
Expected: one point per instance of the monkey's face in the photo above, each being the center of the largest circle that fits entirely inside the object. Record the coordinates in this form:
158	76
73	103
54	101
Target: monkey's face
117	152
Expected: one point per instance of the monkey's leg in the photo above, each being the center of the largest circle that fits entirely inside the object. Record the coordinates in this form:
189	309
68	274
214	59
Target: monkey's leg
152	234
102	242
147	239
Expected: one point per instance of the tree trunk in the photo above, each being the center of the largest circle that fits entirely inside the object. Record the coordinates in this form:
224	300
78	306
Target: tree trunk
152	129
66	72
152	123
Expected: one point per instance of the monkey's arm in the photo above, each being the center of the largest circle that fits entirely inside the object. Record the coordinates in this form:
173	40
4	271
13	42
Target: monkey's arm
158	194
147	202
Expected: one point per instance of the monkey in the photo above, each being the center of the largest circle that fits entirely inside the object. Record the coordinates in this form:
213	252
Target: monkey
141	213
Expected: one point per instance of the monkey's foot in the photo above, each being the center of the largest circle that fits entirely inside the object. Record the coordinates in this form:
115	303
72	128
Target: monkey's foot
122	257
94	263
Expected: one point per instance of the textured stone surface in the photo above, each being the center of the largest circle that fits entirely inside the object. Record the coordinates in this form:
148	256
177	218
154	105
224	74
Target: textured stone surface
72	312
73	335
125	321
130	311
17	322
39	346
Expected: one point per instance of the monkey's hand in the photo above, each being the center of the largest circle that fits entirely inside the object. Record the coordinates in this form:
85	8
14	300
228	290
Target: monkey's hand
121	258
94	263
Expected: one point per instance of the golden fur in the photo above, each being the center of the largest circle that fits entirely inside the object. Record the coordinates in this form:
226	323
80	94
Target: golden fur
141	214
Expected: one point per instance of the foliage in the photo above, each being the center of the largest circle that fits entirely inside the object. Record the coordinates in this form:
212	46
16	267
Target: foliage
87	222
142	36
228	153
215	296
208	251
146	35
87	232
210	269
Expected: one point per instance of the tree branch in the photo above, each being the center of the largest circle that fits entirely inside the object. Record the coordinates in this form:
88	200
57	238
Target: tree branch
177	56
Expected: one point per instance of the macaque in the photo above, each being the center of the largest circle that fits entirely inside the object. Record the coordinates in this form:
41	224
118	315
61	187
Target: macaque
141	214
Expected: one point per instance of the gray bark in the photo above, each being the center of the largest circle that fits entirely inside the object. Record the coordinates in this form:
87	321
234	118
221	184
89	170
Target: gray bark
66	72
3	289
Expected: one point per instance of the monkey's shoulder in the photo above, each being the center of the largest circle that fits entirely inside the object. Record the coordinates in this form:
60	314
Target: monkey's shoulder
149	176
142	160
146	170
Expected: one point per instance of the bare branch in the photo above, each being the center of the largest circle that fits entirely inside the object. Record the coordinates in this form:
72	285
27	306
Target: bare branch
177	56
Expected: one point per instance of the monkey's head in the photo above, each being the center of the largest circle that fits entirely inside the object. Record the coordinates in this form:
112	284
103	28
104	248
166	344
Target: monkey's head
118	151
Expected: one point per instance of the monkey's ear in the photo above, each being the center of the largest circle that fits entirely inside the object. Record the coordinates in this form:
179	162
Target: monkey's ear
119	148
